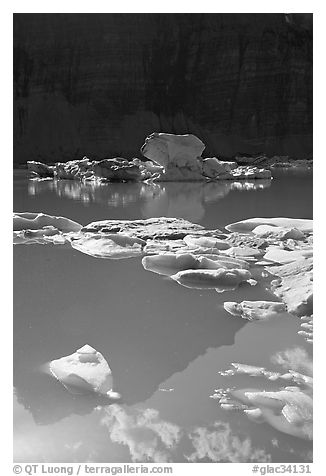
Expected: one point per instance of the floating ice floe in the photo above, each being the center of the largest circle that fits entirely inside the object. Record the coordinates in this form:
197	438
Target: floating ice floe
251	223
170	263
220	279
85	371
163	228
255	310
109	245
251	370
37	221
39	228
279	255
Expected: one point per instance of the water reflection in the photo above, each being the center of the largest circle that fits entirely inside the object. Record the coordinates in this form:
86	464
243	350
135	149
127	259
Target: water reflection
141	330
148	437
184	199
217	443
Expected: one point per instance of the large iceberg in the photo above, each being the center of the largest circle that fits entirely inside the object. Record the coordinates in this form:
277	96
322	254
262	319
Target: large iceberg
84	371
171	149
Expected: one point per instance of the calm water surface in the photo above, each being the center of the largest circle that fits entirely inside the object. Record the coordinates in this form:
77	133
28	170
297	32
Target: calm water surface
164	343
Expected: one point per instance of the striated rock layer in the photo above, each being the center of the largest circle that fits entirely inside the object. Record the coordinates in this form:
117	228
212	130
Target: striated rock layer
97	84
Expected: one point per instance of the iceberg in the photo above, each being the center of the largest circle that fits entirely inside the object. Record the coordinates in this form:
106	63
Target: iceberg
168	149
84	371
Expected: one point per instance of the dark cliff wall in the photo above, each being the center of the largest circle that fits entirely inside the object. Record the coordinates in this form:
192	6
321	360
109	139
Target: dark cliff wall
97	84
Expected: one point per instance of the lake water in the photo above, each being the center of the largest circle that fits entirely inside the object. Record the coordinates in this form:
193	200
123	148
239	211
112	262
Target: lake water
164	343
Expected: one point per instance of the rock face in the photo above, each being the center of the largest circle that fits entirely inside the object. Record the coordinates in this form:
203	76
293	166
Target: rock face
97	84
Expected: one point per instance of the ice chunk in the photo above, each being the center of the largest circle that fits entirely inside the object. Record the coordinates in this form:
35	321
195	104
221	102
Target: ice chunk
220	279
251	223
169	263
206	242
84	371
278	255
244	252
109	245
209	262
251	310
295	285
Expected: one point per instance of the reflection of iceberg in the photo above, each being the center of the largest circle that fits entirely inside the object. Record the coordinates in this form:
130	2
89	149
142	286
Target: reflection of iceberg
113	194
148	437
183	199
248	185
187	199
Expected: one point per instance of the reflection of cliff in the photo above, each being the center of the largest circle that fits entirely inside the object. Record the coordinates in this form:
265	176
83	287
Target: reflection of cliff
97	84
186	199
139	323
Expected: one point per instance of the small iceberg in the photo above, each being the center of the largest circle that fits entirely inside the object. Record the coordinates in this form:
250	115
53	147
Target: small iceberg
85	371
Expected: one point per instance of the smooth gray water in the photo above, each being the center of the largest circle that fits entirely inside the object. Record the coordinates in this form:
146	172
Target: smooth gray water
155	334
